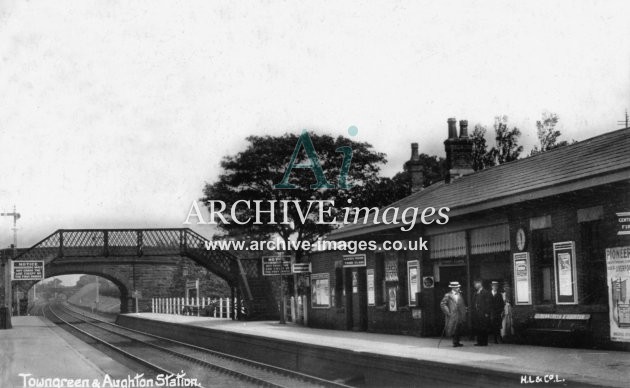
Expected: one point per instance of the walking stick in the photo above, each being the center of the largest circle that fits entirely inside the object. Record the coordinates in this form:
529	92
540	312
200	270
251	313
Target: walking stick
442	337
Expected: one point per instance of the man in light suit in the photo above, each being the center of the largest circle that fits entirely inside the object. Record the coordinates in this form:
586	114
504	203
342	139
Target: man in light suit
454	310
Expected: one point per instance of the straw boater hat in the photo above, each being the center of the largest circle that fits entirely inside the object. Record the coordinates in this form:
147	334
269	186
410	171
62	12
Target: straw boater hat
454	284
495	282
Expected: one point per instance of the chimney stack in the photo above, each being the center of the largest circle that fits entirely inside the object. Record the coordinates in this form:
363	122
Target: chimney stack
458	151
414	167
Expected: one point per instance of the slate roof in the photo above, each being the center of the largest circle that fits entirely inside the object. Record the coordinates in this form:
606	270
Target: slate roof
596	161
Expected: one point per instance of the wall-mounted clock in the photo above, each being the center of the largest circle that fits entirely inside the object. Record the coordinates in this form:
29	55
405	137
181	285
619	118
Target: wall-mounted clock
521	239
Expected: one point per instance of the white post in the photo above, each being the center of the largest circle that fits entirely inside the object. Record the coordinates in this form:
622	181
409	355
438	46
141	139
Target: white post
203	303
198	313
227	301
220	307
293	309
305	307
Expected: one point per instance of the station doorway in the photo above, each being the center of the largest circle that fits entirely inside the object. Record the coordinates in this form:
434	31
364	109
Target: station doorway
355	280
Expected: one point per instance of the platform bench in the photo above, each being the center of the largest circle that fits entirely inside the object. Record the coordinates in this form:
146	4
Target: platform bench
563	327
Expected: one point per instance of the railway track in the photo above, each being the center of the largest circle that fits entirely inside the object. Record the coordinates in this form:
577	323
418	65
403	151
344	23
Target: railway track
164	356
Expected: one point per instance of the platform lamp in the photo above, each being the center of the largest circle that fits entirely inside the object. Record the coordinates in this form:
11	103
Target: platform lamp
7	267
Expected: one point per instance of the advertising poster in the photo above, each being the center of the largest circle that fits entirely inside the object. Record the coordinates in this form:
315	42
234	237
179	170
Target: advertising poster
413	274
320	290
618	271
522	279
370	288
392	301
391	269
565	271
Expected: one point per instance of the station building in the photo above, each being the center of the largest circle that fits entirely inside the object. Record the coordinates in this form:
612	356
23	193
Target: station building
543	226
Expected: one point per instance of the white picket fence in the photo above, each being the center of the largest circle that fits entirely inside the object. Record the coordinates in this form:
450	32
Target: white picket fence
223	307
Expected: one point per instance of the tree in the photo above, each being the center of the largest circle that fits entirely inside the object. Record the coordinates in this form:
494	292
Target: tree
506	148
481	157
250	175
547	133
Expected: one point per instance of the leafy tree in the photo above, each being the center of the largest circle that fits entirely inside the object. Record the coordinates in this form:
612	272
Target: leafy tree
251	175
506	148
481	157
547	133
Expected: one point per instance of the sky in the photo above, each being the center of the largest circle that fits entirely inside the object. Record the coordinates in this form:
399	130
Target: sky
116	113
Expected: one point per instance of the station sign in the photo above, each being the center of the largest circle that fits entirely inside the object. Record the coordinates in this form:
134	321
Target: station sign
192	283
276	265
350	261
27	270
301	268
624	223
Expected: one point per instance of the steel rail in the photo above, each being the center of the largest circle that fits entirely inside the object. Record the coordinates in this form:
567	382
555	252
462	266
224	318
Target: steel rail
280	372
140	360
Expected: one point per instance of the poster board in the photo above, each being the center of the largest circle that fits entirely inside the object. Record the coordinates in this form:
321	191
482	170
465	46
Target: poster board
320	290
371	297
413	281
618	278
522	279
565	272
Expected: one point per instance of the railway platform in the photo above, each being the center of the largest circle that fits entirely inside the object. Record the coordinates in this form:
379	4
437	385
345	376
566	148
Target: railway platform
37	347
304	348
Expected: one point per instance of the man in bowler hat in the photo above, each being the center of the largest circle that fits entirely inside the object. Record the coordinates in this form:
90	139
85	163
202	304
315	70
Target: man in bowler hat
496	316
454	310
481	310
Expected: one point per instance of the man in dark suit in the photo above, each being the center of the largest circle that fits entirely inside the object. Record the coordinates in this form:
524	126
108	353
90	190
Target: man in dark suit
497	311
481	310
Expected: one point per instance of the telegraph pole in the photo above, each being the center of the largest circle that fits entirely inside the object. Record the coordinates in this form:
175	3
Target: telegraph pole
7	266
625	122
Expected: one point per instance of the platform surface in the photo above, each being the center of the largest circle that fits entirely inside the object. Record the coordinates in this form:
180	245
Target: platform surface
601	367
35	345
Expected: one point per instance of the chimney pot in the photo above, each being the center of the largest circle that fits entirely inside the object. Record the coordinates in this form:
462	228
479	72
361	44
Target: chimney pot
452	128
463	128
415	169
414	152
